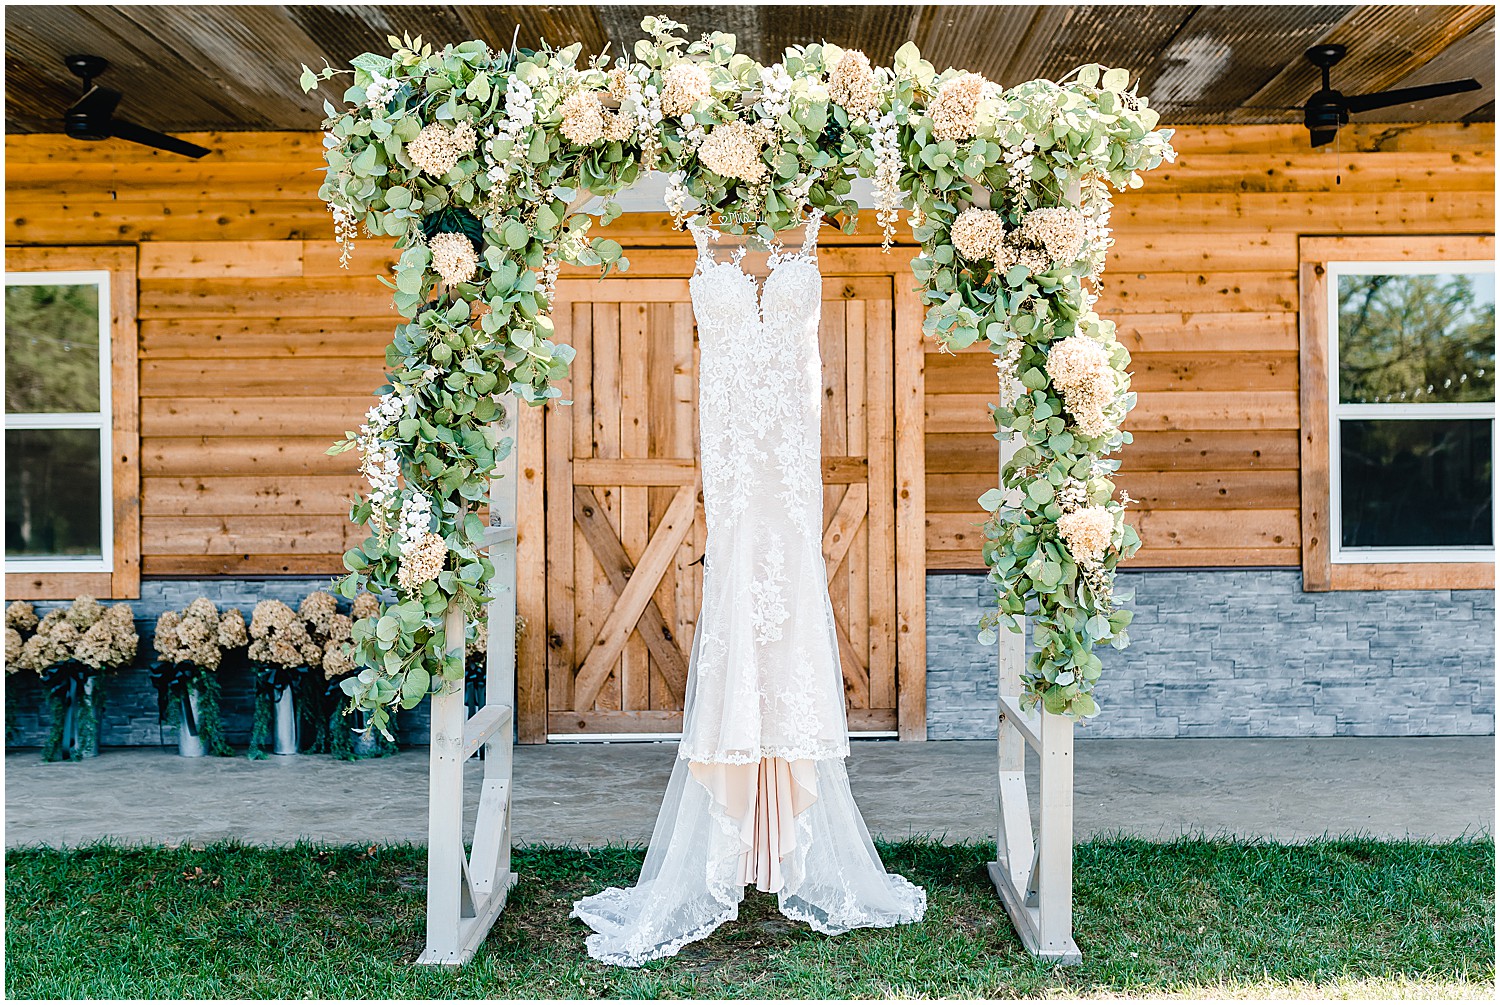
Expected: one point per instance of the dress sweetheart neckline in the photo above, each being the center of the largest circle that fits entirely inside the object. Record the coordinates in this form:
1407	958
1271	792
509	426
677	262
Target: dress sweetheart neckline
707	263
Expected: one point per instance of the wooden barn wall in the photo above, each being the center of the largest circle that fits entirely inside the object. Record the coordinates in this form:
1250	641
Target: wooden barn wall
257	350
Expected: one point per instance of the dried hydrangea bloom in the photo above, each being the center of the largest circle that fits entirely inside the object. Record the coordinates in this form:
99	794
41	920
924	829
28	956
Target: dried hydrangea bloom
852	83
955	109
110	642
269	617
20	616
52	644
733	150
619	83
232	633
1060	230
83	612
453	258
13	645
203	610
1087	533
164	638
438	147
366	605
619	125
422	561
318	609
683	86
582	118
1079	367
977	234
339	628
338	659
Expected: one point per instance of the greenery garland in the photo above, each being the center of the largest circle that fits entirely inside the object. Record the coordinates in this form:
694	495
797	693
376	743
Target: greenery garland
477	162
173	682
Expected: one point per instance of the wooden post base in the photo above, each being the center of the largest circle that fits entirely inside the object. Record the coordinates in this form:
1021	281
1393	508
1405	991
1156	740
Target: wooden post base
1025	919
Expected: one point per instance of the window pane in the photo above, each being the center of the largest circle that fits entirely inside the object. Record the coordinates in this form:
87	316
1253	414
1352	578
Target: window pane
1417	339
1416	482
52	492
51	349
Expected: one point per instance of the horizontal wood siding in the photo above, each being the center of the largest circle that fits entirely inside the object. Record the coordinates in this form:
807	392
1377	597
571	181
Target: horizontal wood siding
257	350
1202	284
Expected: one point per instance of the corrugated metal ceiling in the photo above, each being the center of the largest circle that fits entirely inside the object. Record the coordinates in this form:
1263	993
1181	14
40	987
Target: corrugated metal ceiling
186	68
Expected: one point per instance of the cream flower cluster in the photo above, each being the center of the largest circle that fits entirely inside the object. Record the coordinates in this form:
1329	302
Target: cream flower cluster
733	150
1087	532
978	234
955	108
421	561
20	616
453	257
582	118
1061	231
51	645
200	634
1080	369
682	87
280	638
438	147
366	605
852	84
111	641
85	632
14	644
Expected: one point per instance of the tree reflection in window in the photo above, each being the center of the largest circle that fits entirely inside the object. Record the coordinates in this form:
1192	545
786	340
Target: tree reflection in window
1415	339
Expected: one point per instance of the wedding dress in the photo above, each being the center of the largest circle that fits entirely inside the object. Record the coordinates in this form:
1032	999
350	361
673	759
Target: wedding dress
758	792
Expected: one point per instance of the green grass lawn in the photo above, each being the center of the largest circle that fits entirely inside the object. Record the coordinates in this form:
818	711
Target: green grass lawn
1332	918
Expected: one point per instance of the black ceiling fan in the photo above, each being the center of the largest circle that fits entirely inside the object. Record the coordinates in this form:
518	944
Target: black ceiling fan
92	117
1328	109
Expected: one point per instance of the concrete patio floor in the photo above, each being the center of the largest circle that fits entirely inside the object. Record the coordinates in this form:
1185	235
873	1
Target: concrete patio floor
596	793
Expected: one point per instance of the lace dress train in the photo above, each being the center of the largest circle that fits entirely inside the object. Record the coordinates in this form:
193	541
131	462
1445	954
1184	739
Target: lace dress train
758	792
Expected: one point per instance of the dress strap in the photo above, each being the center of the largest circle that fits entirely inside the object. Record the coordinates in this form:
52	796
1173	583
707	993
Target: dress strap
703	236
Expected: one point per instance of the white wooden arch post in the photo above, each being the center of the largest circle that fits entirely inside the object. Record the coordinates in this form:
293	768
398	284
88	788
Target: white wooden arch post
466	892
1033	872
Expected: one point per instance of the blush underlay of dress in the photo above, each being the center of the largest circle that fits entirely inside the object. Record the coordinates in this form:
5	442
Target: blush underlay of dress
758	793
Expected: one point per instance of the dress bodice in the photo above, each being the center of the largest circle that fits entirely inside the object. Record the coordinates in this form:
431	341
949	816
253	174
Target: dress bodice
759	382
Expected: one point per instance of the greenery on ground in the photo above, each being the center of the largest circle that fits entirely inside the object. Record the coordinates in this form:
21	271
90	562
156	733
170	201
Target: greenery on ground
1193	918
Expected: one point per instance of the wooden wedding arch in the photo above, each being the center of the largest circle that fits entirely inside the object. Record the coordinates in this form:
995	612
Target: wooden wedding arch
477	161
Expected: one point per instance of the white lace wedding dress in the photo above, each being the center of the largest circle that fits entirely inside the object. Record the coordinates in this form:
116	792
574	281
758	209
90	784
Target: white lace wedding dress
758	792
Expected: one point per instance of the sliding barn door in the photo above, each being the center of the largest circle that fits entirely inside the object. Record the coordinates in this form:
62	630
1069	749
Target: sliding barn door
625	529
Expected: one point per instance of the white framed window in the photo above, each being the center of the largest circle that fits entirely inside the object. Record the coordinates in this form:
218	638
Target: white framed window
58	420
1411	411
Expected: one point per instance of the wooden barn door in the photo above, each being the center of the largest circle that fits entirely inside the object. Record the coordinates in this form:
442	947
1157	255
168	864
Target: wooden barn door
625	529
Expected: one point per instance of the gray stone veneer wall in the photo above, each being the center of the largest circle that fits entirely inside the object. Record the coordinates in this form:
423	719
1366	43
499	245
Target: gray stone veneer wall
1214	653
1244	652
130	707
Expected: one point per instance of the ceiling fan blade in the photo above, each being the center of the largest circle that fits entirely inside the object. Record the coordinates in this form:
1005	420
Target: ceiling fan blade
121	129
1322	136
1406	95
